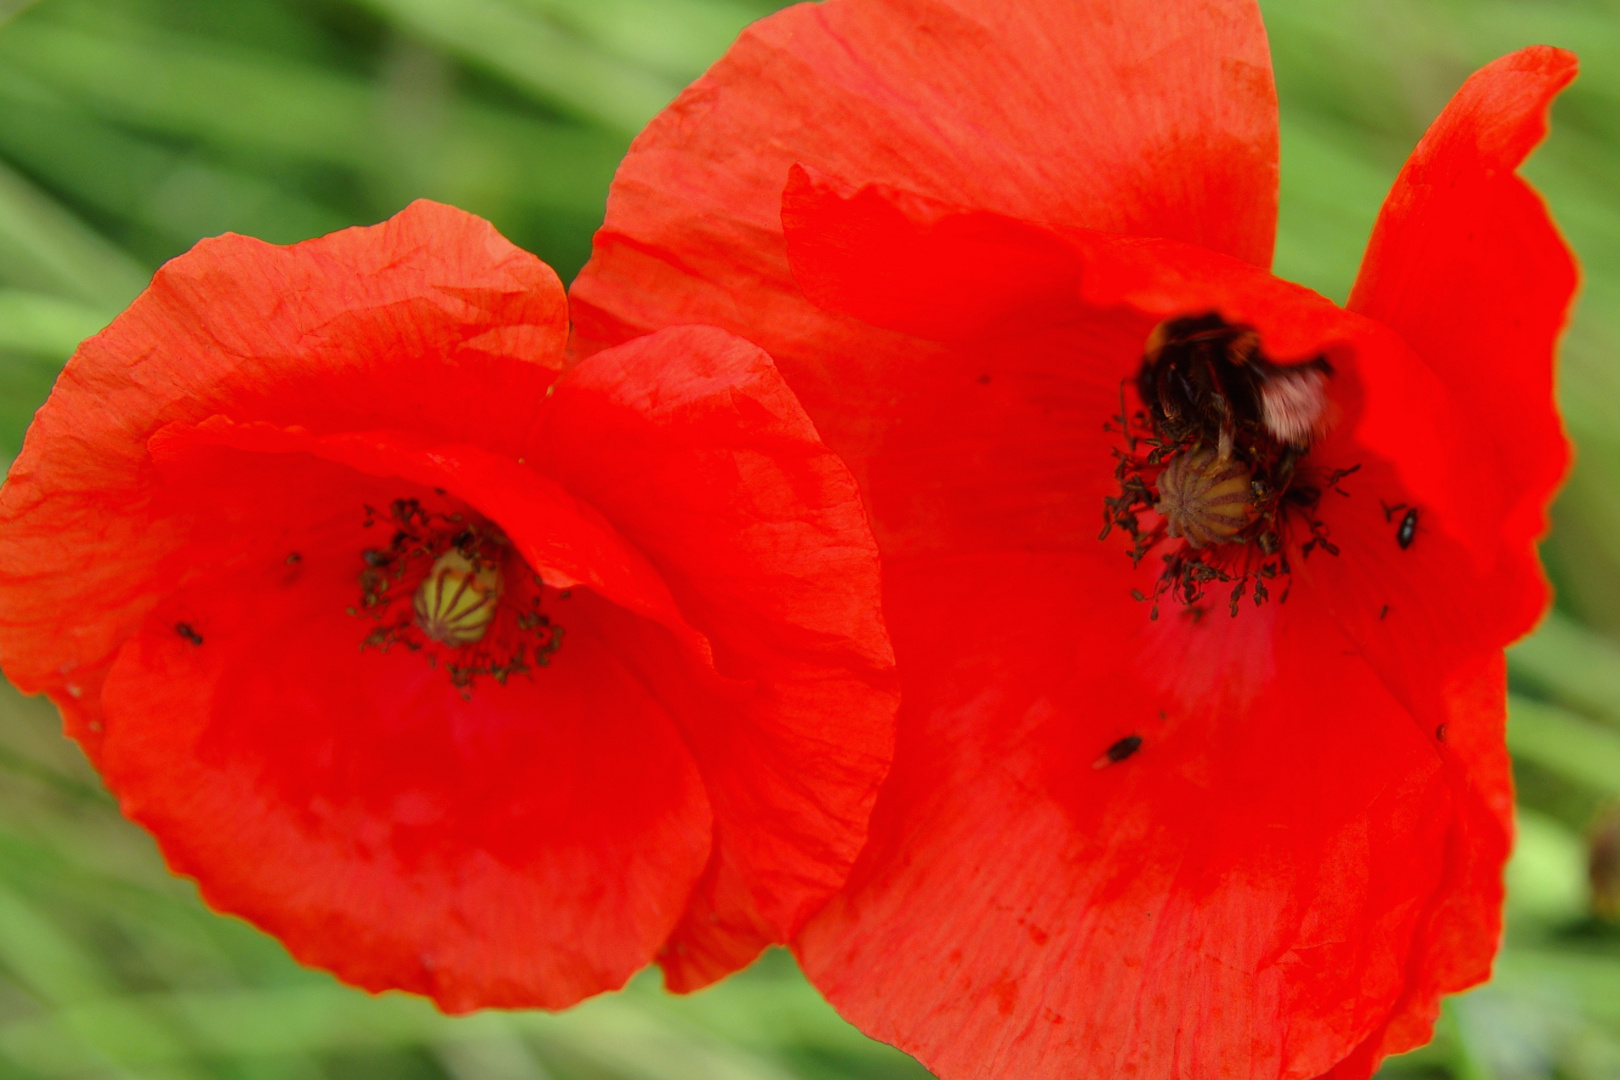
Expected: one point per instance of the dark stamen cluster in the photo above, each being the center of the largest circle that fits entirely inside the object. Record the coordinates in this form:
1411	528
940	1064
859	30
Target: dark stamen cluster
519	638
1219	452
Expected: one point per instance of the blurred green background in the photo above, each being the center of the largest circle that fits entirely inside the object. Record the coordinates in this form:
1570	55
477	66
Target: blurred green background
130	128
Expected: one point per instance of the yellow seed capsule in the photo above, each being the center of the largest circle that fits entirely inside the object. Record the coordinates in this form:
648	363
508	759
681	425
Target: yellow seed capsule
456	601
1204	498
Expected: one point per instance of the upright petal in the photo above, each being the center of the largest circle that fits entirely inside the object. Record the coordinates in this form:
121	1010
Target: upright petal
1466	264
1155	118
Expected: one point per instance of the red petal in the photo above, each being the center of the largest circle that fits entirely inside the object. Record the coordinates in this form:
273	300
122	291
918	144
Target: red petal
1238	898
978	283
1149	118
1456	946
910	263
904	262
564	540
1006	297
503	850
1468	267
982	283
199	477
331	334
719	476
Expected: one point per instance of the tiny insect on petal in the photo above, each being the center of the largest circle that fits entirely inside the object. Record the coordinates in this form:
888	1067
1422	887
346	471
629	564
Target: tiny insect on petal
1118	751
1407	532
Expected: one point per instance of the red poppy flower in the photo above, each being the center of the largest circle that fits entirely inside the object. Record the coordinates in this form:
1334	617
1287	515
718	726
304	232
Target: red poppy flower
1239	808
457	675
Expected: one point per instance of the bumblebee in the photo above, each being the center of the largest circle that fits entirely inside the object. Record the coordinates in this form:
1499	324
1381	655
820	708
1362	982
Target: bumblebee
1205	381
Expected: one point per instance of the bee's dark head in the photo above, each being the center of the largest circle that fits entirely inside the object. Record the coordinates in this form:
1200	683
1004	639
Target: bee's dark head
1199	377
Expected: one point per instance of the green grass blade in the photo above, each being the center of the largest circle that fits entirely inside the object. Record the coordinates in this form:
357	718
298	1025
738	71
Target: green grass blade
47	326
1566	743
614	1034
9	9
537	58
1330	197
1571	664
196	89
496	1057
677	38
173	196
47	961
46	249
1588	977
1546	877
267	108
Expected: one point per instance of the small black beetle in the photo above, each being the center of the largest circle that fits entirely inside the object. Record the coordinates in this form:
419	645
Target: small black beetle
1407	531
1118	752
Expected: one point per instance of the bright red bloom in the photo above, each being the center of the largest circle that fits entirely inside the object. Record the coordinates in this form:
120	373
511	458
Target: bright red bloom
970	231
457	674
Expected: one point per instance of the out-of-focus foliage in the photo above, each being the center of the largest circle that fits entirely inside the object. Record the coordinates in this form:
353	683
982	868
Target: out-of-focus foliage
130	128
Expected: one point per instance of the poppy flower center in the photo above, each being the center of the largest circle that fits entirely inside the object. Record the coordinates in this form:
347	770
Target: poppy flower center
456	602
1217	457
450	585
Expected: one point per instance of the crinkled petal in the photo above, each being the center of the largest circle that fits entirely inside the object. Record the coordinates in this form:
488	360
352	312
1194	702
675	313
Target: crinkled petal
720	477
1102	294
